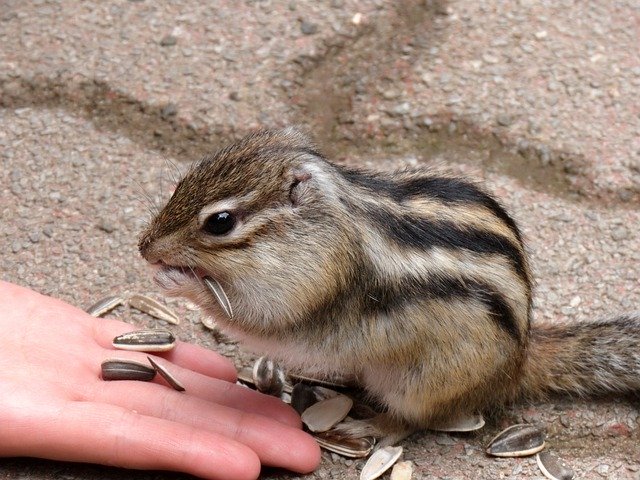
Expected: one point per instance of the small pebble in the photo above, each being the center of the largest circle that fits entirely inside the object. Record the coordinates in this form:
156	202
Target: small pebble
168	41
505	120
619	233
308	28
106	226
169	110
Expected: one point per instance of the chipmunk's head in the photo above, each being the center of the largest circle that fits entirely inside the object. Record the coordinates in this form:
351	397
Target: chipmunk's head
258	220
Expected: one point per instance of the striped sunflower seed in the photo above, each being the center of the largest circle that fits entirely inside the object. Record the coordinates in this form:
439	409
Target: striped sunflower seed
517	441
104	306
245	377
552	467
216	289
171	380
153	307
268	377
460	424
345	445
145	341
115	369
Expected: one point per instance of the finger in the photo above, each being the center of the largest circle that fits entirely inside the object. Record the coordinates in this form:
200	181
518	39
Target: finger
203	361
189	356
205	388
121	437
275	443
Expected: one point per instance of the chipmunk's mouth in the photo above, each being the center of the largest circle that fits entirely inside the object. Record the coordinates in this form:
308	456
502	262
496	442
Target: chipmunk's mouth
174	279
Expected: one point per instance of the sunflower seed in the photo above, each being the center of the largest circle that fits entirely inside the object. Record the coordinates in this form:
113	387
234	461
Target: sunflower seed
402	471
126	370
330	383
460	424
381	461
104	306
323	393
345	445
209	322
268	377
517	441
145	341
323	415
245	377
214	287
171	380
302	397
552	467
154	308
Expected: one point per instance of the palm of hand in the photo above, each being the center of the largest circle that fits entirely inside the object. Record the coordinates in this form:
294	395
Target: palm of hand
56	406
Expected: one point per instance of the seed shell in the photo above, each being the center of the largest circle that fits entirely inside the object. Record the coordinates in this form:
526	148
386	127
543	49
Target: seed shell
209	322
552	467
146	341
152	307
402	471
171	380
268	377
104	306
519	440
214	287
460	424
381	461
126	370
323	415
345	445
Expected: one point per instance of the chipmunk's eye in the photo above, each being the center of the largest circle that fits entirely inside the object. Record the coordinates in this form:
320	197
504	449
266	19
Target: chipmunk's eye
219	223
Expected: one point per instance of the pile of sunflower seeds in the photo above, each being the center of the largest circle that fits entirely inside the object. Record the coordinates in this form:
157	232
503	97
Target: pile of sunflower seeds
322	404
151	341
141	341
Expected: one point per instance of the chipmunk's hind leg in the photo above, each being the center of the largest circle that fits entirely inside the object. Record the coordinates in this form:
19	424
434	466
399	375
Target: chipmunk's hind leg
386	429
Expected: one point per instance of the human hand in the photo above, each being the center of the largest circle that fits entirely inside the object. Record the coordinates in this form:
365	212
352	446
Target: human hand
55	405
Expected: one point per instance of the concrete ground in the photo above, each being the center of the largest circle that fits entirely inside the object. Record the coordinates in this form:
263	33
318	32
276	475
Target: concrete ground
101	103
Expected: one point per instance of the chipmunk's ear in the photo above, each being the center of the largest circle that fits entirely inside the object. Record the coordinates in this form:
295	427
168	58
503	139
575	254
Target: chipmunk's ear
299	185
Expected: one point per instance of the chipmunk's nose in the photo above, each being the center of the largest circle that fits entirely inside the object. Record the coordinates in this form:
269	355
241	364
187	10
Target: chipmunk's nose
147	251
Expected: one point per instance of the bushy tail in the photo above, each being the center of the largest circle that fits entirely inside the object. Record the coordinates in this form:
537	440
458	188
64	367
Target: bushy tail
584	358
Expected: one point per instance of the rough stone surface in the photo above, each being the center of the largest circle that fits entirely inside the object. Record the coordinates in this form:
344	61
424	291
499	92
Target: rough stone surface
102	104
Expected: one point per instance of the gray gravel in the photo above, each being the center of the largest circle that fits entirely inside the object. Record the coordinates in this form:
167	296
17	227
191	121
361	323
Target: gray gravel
102	104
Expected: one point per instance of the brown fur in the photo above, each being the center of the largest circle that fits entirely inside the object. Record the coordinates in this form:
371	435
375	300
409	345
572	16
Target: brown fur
416	283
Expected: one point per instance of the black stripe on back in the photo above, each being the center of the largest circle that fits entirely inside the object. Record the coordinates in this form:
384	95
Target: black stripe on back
425	234
389	298
457	191
447	190
375	298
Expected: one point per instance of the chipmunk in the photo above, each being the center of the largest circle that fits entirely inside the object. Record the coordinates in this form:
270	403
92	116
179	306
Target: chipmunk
414	282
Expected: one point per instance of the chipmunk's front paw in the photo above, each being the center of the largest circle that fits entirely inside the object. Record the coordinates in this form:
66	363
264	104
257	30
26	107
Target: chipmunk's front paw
387	430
